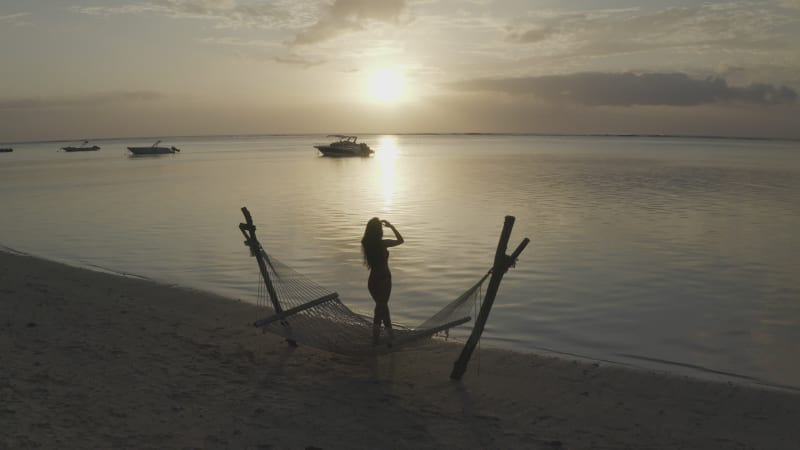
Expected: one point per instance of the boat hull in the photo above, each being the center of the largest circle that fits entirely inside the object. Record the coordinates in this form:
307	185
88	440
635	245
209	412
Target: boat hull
151	150
93	148
328	150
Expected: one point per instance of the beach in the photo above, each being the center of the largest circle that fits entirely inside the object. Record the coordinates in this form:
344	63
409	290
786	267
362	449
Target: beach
95	360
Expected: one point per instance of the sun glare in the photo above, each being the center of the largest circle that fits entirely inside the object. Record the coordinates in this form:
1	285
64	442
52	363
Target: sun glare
386	86
387	154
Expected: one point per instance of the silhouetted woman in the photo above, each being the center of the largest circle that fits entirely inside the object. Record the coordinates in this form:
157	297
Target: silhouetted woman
376	257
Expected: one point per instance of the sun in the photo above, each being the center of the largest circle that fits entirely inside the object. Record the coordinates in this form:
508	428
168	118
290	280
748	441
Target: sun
387	85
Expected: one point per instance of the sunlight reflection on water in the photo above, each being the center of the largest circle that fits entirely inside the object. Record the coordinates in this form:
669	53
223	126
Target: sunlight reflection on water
386	155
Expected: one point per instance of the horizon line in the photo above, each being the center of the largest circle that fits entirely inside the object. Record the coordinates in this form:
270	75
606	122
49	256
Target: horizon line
466	133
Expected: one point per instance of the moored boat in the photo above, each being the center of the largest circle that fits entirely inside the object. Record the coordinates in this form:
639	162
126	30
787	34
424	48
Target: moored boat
153	150
345	146
6	150
84	147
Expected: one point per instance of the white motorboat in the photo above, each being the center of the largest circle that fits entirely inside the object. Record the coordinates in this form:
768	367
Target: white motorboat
345	146
84	147
153	150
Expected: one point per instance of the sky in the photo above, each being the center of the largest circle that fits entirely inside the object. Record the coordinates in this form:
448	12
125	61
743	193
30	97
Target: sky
135	68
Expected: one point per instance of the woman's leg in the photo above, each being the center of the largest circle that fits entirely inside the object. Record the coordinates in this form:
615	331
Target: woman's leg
382	314
381	289
387	322
383	302
376	326
385	317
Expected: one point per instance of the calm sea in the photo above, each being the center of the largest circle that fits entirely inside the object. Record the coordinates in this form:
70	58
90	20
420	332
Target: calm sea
666	253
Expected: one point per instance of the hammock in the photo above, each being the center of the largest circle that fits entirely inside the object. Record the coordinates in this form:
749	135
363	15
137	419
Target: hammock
304	312
315	316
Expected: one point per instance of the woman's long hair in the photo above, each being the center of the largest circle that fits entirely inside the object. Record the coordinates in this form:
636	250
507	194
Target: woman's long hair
372	243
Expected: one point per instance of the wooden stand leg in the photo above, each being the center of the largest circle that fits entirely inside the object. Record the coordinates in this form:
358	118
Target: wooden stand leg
501	264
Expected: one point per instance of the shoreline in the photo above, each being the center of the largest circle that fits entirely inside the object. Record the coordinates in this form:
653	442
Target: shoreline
669	368
96	360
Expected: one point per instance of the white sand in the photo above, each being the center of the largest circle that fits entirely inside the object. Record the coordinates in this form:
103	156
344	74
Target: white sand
91	360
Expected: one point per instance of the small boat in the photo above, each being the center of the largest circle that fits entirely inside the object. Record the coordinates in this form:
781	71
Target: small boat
345	146
6	150
153	150
82	148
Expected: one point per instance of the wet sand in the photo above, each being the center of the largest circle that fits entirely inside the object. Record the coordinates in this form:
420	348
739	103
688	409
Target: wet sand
92	360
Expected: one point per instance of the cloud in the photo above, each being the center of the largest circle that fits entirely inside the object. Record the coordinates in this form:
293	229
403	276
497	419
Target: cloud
488	112
536	34
350	15
317	24
227	13
91	100
630	89
17	19
297	60
261	50
741	25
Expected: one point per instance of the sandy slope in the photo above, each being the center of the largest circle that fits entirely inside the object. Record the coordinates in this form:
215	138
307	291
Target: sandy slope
90	360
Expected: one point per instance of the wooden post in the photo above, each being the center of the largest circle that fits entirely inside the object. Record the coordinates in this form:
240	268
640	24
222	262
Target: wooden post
501	264
249	231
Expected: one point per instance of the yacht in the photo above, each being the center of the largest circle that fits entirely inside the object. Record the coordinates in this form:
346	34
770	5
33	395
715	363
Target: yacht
84	147
344	146
153	150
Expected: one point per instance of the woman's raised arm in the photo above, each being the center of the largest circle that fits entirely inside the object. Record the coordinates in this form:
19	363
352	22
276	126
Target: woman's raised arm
391	242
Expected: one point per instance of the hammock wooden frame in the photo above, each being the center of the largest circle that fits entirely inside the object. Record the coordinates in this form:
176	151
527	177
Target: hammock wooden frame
502	263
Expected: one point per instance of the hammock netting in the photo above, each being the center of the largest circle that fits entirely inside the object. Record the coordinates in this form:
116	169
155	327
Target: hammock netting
315	316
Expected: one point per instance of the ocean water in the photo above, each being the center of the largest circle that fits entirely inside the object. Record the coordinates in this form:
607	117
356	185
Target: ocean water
671	254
